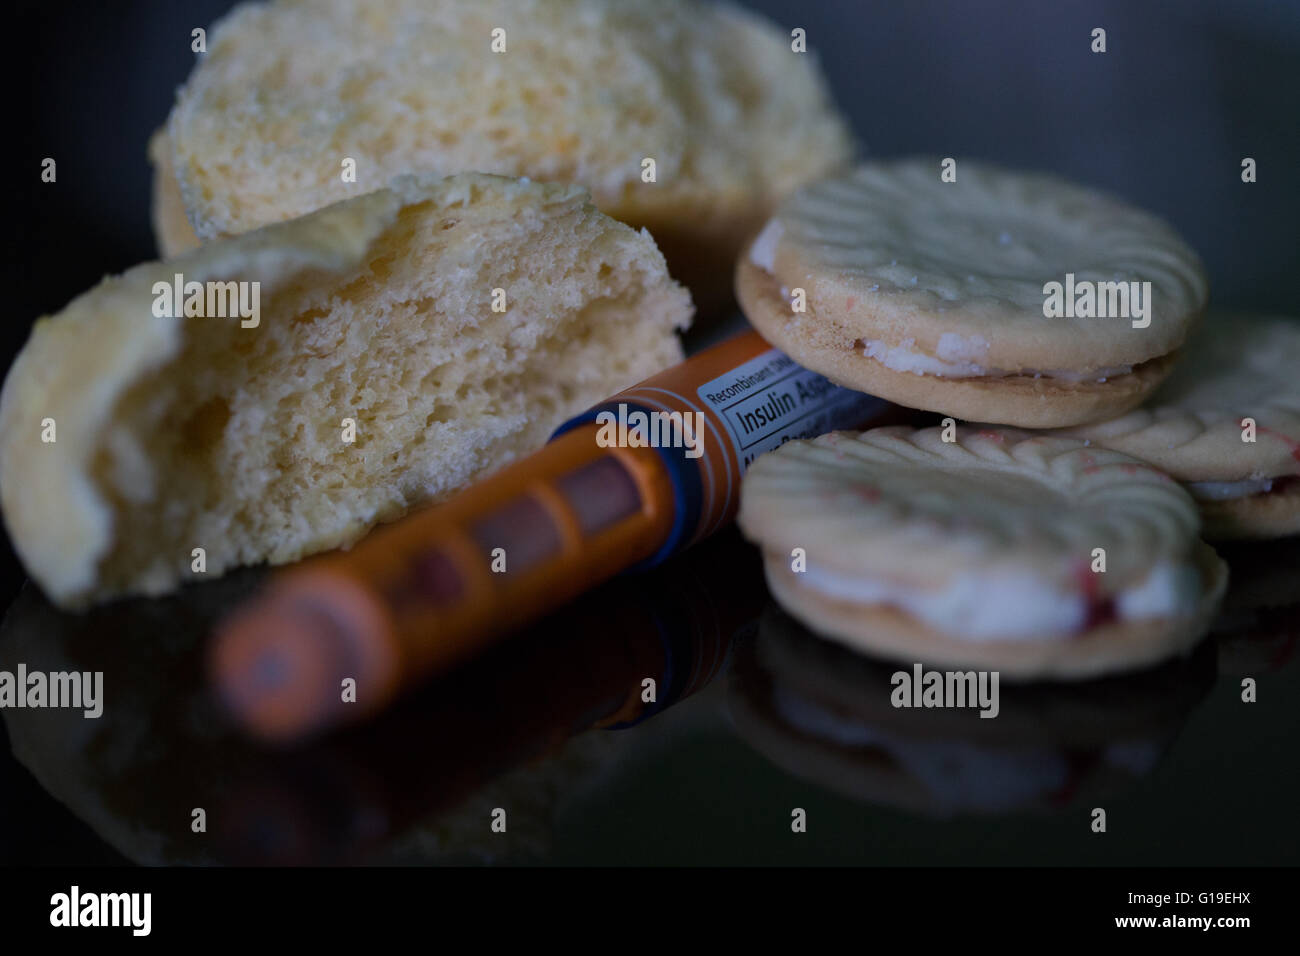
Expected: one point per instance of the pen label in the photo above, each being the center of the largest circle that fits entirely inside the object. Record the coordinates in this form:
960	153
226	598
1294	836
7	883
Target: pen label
771	400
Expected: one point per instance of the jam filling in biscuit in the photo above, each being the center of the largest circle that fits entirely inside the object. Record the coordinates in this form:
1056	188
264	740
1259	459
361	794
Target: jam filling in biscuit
1005	605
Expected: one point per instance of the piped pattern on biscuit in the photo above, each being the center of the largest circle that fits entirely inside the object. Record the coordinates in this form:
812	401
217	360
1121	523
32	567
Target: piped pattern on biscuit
909	506
1235	366
957	270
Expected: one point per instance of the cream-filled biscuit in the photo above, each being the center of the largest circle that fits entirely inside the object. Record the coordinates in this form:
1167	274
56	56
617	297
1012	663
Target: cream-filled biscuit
944	295
1037	557
1227	424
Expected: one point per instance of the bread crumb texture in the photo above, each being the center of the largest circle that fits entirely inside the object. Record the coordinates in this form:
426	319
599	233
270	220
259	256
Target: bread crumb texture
584	91
175	434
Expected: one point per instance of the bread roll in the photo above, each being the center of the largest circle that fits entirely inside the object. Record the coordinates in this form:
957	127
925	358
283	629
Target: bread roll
176	434
584	92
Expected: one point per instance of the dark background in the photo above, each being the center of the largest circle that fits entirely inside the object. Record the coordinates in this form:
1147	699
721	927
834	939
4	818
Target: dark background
1164	118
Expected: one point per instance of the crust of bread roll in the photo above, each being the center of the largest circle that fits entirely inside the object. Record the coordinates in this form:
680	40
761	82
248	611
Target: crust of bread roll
172	230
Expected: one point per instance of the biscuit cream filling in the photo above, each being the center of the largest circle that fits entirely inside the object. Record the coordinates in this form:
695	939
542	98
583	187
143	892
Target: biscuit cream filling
763	252
904	358
957	355
1228	490
1004	605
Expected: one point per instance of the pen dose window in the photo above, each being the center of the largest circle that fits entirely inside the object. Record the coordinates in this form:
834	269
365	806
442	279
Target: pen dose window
438	578
523	530
601	494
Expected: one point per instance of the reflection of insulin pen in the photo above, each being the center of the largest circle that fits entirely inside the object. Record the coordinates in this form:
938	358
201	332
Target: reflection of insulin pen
628	483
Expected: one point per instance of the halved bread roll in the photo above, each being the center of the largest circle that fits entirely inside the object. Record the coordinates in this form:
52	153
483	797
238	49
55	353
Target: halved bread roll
231	435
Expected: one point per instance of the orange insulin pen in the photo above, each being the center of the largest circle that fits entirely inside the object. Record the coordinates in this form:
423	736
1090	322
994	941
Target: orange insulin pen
625	485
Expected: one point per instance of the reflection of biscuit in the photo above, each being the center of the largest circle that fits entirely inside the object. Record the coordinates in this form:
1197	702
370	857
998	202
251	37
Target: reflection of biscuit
584	92
174	434
1256	642
1264	573
982	552
824	714
931	294
1073	716
1259	627
1236	367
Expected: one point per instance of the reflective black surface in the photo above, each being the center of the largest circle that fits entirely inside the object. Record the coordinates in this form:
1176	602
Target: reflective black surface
754	717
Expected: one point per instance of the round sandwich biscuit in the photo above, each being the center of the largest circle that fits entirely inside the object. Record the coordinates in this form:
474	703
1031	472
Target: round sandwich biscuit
1227	424
690	119
1002	297
1036	557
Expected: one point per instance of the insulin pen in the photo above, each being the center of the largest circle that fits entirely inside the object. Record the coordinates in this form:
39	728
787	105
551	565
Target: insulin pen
624	485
